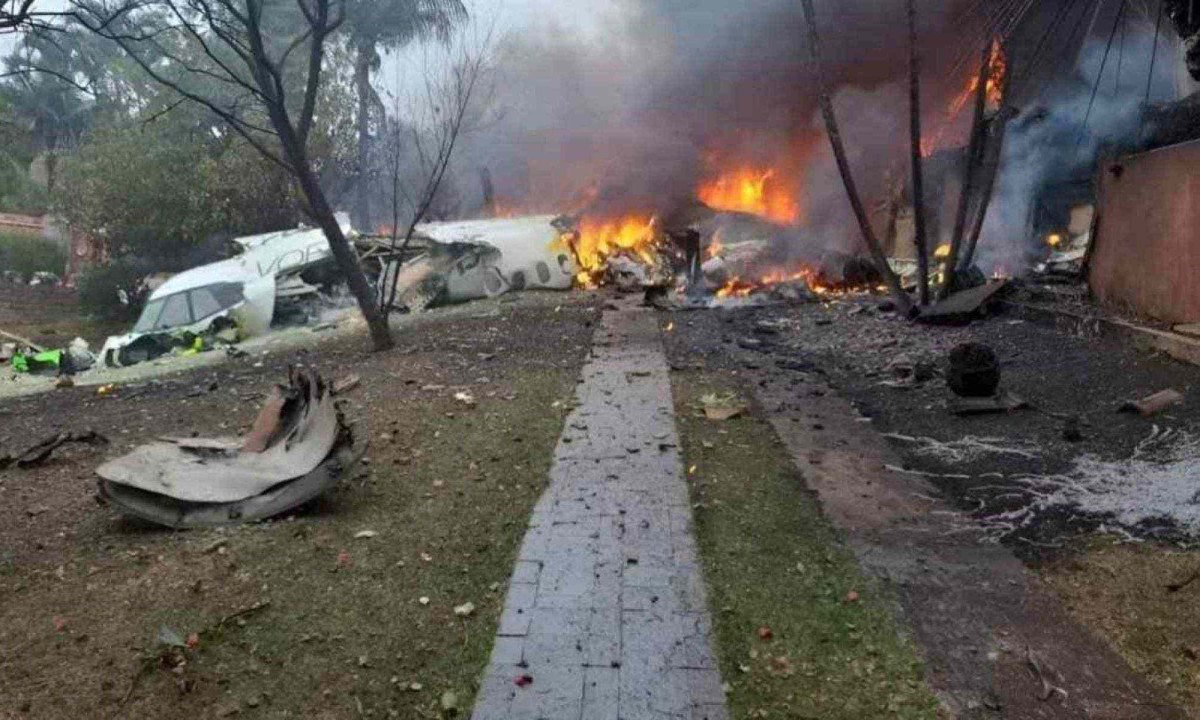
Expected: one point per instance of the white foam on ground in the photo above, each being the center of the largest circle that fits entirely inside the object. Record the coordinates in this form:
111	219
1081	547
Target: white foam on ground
1161	479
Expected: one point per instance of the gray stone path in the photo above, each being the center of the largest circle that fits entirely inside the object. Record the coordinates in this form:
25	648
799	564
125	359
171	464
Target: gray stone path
605	611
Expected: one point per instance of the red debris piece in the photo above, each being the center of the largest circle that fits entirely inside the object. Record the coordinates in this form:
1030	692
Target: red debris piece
524	681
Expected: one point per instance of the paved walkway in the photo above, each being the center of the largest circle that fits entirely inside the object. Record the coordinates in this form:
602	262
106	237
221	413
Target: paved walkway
605	611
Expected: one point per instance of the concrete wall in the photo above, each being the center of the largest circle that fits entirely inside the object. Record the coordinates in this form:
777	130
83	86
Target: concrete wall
1146	255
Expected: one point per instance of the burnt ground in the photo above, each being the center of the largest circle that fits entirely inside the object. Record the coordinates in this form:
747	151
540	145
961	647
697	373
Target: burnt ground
852	345
927	528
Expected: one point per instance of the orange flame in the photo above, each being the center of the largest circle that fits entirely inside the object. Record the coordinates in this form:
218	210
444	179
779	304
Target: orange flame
751	190
737	287
598	240
997	70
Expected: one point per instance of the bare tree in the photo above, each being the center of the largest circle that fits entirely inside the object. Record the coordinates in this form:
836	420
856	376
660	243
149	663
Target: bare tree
257	65
18	15
454	99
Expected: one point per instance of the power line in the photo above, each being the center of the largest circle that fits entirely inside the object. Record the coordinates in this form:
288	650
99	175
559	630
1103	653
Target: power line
1100	75
1120	56
1055	23
1150	76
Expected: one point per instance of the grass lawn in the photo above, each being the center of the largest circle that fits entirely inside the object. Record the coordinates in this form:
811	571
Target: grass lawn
800	633
346	610
1121	592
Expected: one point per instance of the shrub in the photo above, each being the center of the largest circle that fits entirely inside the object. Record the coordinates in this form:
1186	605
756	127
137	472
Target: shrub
27	255
100	290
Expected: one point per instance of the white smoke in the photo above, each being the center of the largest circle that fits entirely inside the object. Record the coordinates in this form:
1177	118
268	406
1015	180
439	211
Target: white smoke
1049	144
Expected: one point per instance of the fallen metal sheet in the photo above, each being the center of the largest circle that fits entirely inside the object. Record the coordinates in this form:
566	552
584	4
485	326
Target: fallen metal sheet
181	514
962	306
307	431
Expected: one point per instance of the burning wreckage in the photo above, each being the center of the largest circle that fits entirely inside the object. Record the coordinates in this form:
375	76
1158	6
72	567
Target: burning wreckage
288	277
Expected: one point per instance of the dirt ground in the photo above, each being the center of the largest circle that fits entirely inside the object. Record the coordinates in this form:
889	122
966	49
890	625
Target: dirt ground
301	617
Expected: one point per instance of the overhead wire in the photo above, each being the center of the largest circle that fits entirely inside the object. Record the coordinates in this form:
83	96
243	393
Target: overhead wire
1055	23
1150	75
1100	75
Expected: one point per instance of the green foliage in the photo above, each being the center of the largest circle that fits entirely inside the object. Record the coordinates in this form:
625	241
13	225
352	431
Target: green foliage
99	290
162	195
18	193
28	255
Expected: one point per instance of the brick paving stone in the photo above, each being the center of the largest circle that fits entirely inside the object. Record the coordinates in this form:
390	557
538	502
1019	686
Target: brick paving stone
605	609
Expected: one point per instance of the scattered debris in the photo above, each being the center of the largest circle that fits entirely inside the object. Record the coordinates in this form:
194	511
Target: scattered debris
1153	404
465	610
365	534
962	307
465	398
41	451
346	384
722	407
197	482
1049	689
974	371
523	681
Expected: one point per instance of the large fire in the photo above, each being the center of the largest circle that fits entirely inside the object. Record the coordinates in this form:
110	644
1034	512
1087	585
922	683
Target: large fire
598	240
752	190
997	69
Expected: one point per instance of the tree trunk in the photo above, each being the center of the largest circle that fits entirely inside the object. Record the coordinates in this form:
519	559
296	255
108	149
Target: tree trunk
362	88
970	173
991	168
322	213
903	302
918	177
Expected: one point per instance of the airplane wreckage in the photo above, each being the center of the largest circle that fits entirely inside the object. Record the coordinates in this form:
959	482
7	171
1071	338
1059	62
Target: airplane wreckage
289	278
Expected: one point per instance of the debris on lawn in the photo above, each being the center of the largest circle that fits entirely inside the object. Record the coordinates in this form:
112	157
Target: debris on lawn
1153	404
722	407
41	451
298	447
346	384
465	610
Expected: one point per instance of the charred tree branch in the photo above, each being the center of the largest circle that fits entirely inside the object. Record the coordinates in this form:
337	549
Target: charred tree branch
970	173
918	176
903	302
